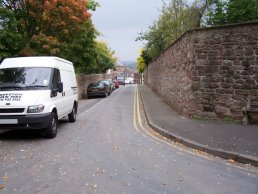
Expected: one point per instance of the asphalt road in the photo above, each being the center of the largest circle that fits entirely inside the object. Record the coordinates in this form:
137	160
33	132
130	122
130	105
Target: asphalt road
109	149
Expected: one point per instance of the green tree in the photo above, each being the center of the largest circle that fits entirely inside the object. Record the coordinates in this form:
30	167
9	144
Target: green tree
82	51
242	11
198	10
232	11
176	18
11	40
105	57
92	5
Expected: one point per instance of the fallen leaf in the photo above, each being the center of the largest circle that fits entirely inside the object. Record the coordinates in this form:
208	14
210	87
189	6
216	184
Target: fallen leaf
231	161
2	187
100	171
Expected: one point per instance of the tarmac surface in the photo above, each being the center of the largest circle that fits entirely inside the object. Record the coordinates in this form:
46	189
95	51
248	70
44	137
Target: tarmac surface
223	139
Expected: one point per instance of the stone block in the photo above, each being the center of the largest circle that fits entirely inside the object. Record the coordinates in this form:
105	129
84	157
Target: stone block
201	73
208	108
200	68
211	69
220	91
222	110
241	92
229	91
196	78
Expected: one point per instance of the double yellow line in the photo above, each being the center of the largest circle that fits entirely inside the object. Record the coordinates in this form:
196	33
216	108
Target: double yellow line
137	120
138	126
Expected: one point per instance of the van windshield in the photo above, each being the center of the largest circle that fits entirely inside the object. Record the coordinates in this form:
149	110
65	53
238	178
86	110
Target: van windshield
26	78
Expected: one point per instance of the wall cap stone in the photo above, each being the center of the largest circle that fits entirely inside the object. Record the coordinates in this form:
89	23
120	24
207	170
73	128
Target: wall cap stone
191	31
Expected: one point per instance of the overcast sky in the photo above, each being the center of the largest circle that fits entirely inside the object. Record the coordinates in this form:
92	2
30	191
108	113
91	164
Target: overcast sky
121	21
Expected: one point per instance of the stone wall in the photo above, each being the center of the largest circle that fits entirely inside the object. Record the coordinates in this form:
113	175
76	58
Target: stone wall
208	71
84	80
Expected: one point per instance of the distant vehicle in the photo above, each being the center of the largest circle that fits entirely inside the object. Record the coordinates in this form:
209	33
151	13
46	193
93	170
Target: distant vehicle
97	89
35	92
121	80
110	90
116	84
129	80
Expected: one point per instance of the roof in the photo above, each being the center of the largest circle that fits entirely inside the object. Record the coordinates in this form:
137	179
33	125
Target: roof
33	62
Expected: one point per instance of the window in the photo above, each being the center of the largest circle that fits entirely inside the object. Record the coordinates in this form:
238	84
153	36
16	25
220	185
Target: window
55	80
26	78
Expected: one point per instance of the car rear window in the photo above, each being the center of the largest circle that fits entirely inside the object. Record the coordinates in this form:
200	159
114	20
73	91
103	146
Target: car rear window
97	84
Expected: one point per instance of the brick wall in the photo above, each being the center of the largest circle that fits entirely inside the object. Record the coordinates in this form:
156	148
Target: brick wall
208	71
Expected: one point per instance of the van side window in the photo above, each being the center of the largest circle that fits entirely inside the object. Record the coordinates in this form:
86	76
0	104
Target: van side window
55	80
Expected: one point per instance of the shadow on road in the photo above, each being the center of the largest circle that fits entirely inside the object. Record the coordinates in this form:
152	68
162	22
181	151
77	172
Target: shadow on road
20	135
26	134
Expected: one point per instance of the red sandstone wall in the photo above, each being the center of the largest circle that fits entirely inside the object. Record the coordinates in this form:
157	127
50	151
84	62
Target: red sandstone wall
208	71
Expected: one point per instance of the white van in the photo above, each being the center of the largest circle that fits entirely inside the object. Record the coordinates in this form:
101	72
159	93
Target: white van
35	92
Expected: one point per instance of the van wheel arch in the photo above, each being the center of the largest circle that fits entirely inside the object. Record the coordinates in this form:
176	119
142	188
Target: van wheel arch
72	116
51	130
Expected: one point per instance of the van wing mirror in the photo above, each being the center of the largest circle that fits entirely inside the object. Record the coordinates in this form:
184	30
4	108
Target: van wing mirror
60	87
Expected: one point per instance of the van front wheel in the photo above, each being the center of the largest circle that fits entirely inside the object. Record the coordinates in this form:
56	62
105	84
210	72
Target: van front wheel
73	114
51	130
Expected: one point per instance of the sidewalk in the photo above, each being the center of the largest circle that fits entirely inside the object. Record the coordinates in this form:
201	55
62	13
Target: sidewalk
226	140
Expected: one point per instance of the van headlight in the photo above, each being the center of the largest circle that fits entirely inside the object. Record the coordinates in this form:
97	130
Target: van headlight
35	108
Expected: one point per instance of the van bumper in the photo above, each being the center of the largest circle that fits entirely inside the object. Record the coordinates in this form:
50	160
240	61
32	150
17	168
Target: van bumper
39	121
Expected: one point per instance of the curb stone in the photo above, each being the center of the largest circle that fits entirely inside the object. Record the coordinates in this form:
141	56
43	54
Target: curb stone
241	158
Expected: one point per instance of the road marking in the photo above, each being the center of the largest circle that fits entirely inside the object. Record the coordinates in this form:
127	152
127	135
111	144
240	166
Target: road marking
138	109
143	131
138	126
134	112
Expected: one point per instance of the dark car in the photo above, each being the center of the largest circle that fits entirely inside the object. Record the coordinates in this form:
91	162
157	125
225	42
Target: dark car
112	84
97	89
108	85
121	80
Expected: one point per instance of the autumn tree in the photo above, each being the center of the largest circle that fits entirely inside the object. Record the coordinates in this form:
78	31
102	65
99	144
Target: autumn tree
53	27
60	22
46	24
140	62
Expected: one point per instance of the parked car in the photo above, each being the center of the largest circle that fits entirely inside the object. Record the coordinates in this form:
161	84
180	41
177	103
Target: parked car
97	89
121	80
112	84
108	85
116	84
